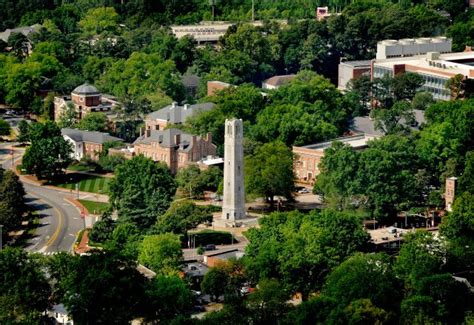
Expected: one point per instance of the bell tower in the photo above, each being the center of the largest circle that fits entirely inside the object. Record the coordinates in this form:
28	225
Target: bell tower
233	205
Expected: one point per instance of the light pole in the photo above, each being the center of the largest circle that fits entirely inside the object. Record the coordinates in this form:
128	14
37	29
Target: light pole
1	237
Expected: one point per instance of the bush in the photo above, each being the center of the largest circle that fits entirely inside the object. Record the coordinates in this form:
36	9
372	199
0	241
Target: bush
206	237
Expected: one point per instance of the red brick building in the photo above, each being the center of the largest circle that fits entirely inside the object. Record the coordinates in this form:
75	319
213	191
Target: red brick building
174	147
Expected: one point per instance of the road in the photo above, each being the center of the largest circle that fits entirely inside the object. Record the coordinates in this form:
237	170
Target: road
60	221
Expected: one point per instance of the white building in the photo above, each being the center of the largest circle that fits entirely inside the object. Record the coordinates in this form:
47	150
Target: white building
233	205
409	47
87	143
435	68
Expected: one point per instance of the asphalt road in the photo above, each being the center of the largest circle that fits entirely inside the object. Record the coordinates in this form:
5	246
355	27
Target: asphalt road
60	221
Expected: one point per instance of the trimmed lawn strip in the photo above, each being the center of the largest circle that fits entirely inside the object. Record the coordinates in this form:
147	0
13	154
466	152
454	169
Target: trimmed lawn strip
94	207
86	183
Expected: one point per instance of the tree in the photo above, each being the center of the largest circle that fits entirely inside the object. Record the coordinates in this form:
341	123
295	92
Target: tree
99	20
49	154
5	128
396	119
24	289
458	228
167	298
19	44
422	100
193	182
466	181
68	117
421	255
23	132
99	288
161	253
94	122
336	182
363	311
182	216
300	250
141	190
269	171
268	303
214	282
12	200
379	285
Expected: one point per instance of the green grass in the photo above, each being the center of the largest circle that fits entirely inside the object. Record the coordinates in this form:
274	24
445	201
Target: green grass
86	183
94	207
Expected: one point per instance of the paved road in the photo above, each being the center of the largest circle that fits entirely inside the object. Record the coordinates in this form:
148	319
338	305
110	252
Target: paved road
60	221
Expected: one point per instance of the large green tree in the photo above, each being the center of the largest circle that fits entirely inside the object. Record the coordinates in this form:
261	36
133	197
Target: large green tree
300	250
49	153
182	216
161	253
269	171
24	290
141	190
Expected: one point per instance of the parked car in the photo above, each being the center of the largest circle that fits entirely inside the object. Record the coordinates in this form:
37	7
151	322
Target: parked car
210	247
304	190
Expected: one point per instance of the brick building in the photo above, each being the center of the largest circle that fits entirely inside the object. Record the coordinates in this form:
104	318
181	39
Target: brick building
174	114
84	99
308	158
174	147
87	143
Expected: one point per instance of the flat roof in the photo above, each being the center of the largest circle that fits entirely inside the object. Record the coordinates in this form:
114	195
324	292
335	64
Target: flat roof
359	63
446	62
357	141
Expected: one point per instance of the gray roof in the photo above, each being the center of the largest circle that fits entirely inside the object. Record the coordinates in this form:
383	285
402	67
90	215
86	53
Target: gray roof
360	63
27	30
190	80
279	80
89	136
86	89
364	124
167	139
178	114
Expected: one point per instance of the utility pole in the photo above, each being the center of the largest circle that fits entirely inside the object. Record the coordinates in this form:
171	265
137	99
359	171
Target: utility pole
213	5
253	10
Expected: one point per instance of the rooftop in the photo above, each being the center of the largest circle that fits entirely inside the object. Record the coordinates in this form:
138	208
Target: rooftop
89	136
178	114
86	89
26	30
366	125
357	141
167	139
360	63
279	80
445	66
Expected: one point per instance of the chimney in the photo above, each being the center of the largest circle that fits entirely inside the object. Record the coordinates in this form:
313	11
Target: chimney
141	132
209	137
173	105
186	106
148	133
177	139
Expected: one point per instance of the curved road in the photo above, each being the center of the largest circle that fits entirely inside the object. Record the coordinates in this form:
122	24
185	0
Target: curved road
60	221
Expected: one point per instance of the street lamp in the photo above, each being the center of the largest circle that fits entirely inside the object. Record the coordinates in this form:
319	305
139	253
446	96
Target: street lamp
1	237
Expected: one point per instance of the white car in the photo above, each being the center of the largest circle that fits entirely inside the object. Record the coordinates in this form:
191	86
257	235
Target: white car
303	191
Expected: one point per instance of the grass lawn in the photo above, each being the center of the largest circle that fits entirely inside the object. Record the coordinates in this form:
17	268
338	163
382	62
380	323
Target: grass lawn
94	207
86	183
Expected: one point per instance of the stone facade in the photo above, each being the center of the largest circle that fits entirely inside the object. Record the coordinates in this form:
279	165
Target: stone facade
233	205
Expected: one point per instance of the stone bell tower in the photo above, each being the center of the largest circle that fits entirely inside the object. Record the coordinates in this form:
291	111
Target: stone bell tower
233	205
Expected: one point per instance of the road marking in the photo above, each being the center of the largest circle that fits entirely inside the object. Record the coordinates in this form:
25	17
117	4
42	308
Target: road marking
60	224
